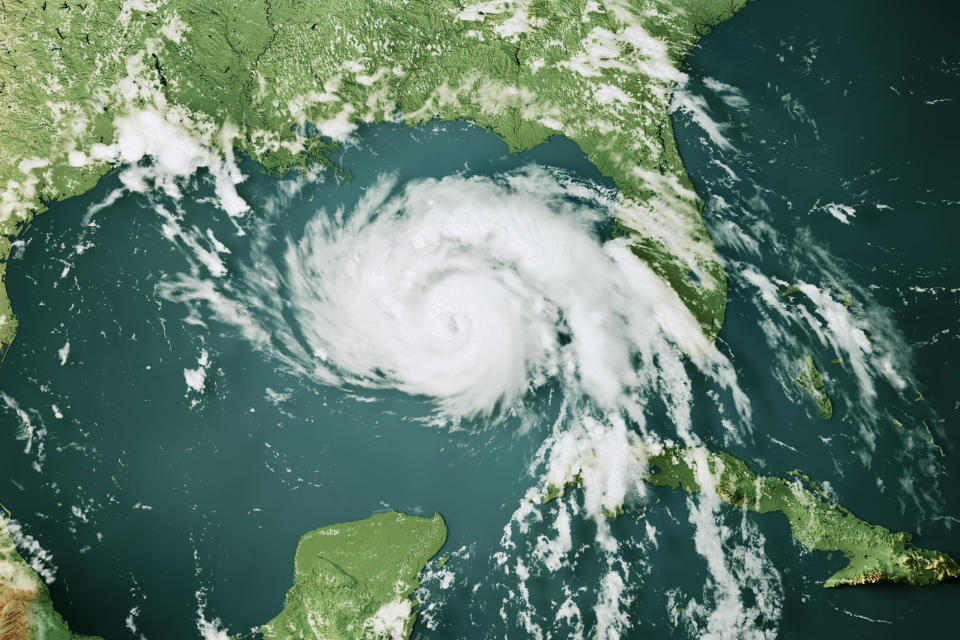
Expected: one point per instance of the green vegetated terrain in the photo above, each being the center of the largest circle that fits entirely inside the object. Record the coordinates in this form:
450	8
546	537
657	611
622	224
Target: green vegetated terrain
354	580
83	83
874	553
78	80
351	581
26	611
811	380
248	76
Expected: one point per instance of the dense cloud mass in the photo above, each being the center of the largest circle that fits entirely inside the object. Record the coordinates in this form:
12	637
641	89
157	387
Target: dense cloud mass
471	291
475	292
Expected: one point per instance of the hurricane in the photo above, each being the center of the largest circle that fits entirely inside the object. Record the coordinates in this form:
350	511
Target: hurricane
508	300
508	321
471	291
480	293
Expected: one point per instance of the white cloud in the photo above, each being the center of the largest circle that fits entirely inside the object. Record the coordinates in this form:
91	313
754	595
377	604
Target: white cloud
197	378
391	619
177	152
63	353
698	109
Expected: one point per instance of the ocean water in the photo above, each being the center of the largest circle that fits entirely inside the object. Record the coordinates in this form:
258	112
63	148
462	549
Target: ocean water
855	105
824	156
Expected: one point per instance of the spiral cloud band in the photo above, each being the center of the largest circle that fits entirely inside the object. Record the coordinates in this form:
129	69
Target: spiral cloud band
470	291
473	292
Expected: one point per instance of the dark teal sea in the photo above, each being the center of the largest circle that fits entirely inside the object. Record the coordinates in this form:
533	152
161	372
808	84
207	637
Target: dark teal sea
155	501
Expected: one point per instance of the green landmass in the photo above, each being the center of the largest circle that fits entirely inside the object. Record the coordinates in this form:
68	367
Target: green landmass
874	553
26	610
919	396
846	296
249	76
77	80
353	581
789	291
811	380
933	442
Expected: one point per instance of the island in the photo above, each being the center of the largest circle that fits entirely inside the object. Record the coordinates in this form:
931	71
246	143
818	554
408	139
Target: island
874	553
811	380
